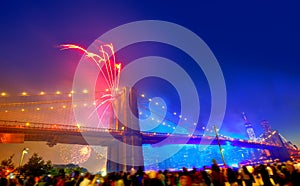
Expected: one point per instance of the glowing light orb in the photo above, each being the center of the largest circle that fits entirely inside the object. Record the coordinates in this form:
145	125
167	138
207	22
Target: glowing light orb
84	150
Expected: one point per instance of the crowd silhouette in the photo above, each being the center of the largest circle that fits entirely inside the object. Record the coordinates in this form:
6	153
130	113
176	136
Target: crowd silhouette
278	173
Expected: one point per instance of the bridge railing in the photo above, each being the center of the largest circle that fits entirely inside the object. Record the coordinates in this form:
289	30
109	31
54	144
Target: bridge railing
47	126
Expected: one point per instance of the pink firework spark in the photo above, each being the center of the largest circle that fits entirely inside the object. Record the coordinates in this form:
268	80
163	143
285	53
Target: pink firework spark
109	68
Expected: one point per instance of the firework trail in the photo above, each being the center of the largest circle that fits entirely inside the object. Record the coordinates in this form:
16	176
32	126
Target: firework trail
109	69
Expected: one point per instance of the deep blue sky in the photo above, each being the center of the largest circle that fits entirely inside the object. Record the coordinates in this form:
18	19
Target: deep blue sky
256	44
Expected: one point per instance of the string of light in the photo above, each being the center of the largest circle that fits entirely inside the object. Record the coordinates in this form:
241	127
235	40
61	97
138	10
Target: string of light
65	104
43	93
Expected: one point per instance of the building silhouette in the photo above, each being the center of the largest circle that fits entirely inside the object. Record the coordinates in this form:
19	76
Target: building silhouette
249	128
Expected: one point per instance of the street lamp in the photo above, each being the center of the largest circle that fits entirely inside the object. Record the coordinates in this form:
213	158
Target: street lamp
218	140
24	151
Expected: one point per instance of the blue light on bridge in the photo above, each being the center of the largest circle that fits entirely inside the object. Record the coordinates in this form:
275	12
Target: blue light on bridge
198	156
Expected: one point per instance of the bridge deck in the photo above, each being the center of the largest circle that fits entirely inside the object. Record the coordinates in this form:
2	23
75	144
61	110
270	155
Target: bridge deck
70	134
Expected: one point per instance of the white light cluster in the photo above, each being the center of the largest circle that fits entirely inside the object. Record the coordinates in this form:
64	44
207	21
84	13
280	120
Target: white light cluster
163	107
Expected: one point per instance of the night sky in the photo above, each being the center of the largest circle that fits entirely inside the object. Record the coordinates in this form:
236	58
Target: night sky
256	44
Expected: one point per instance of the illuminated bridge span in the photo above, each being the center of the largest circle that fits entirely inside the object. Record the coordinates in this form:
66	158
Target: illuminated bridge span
69	134
51	118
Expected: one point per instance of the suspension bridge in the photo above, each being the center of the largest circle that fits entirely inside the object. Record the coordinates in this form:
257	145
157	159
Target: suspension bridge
51	118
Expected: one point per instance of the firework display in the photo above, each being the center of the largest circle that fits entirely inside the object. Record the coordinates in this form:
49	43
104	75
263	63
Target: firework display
75	154
109	71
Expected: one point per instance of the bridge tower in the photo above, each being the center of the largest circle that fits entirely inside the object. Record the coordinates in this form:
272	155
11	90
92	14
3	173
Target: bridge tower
249	128
278	151
271	136
266	127
126	153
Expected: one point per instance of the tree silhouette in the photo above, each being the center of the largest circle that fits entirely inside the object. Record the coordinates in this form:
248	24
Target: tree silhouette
36	166
7	165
